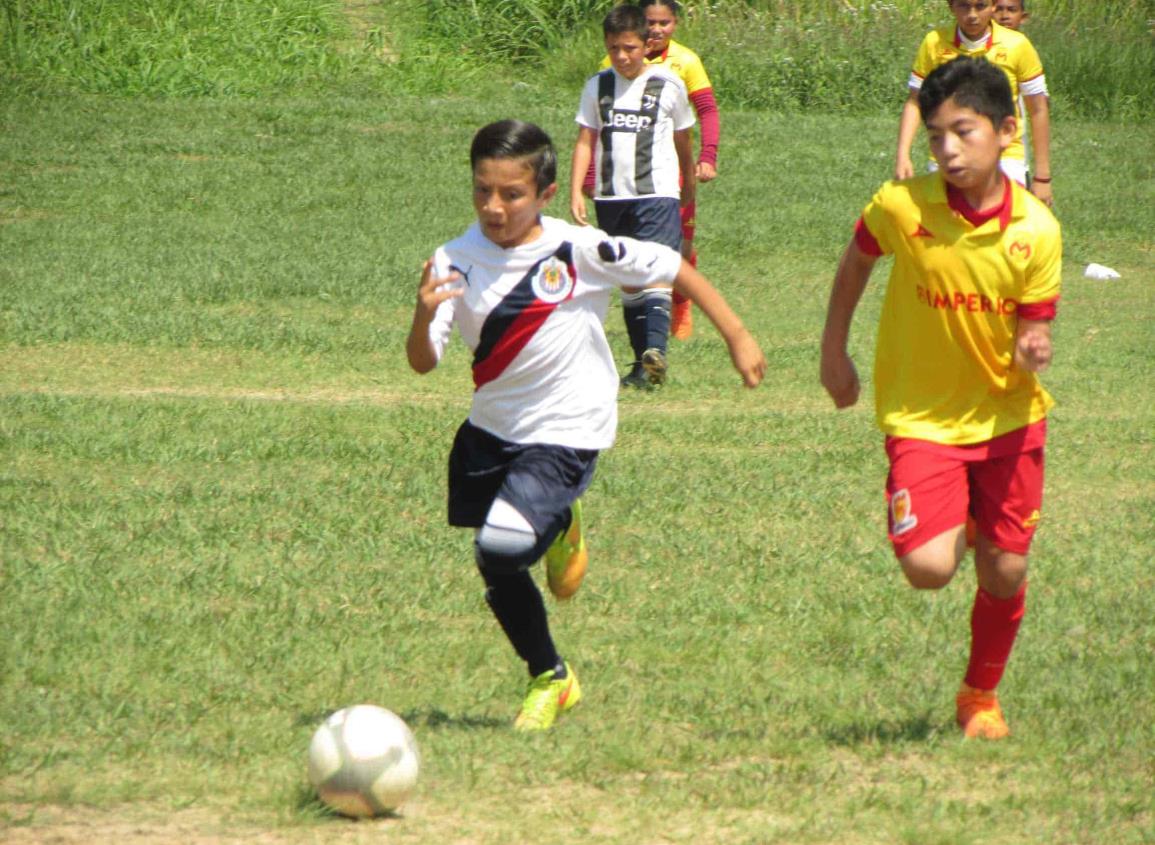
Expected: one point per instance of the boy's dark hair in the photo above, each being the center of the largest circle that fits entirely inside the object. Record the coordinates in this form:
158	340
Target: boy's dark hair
672	5
971	82
517	139
626	18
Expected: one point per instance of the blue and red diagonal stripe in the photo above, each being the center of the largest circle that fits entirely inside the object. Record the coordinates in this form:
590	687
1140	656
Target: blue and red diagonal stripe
514	322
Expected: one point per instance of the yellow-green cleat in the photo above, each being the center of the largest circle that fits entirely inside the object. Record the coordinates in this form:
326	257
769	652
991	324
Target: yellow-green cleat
566	559
546	697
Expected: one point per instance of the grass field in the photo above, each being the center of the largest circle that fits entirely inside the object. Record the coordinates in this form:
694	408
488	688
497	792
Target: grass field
221	506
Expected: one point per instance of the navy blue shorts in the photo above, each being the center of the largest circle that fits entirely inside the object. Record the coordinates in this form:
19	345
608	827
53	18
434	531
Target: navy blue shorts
655	219
540	480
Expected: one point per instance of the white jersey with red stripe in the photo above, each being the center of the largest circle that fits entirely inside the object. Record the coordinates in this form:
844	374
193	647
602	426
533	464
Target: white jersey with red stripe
533	316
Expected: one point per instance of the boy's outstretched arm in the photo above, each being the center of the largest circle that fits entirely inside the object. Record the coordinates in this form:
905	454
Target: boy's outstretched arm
430	293
745	353
583	156
837	370
1039	109
907	129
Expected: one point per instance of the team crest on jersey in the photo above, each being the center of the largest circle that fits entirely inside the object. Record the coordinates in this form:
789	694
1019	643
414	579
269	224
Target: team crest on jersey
552	282
1019	249
902	517
649	101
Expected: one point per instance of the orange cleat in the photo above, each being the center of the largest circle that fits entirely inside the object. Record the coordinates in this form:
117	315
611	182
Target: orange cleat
979	715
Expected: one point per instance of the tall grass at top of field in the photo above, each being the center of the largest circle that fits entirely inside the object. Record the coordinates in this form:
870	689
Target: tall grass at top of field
784	55
788	55
172	47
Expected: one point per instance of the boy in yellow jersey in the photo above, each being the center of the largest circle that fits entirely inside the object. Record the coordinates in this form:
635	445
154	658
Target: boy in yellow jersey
661	48
975	33
965	327
1013	14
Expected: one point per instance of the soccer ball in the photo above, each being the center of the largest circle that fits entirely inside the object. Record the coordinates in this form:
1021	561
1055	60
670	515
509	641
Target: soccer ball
363	761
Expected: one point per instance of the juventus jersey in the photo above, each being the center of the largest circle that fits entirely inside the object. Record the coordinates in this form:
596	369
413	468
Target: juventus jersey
635	120
532	315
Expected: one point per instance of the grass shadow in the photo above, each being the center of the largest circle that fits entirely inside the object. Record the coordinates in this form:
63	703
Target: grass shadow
434	718
919	728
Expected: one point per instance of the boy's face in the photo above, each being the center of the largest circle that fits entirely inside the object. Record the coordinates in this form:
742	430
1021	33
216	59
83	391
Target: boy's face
973	16
661	22
506	201
966	145
627	52
1009	13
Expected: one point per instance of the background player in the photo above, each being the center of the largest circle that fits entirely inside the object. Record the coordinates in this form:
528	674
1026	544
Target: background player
634	124
661	48
1013	14
965	327
974	33
528	295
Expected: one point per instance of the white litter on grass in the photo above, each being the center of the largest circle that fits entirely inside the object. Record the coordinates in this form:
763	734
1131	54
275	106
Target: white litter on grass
1099	271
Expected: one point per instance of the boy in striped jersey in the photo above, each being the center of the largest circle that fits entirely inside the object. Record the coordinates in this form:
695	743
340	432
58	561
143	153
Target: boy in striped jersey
661	48
528	294
635	122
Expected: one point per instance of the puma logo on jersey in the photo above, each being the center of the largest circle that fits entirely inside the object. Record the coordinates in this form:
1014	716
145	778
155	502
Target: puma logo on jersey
453	268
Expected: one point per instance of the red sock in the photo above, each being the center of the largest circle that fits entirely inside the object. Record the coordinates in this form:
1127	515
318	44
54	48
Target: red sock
994	626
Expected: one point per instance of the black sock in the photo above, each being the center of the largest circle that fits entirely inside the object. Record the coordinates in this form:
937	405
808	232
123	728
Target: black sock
517	603
634	309
658	304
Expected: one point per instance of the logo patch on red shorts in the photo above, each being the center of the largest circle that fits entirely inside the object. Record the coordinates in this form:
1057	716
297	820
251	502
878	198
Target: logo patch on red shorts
902	516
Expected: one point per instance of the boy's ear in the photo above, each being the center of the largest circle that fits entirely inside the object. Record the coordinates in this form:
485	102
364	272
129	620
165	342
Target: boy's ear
548	194
1006	131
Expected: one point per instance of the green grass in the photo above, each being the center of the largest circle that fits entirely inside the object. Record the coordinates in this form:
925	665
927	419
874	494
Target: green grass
221	500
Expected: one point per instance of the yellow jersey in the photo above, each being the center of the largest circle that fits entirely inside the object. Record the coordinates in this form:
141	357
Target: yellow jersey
943	367
1009	50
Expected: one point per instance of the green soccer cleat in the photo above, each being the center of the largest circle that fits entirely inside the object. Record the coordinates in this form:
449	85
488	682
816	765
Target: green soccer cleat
566	558
546	697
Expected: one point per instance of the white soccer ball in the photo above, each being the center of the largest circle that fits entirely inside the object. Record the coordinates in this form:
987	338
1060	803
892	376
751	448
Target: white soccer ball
363	761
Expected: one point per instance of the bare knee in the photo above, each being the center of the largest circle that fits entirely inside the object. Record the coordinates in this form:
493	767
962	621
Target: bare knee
1000	573
932	565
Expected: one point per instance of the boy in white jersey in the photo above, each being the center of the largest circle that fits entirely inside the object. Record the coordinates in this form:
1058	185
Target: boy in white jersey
635	122
528	295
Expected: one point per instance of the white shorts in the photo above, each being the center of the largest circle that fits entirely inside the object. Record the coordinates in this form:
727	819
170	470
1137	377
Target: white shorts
1015	168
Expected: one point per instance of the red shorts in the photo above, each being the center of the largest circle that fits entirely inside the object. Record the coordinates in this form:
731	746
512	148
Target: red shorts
931	488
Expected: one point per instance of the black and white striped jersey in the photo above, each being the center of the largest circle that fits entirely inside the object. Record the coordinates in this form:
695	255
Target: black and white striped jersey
635	120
